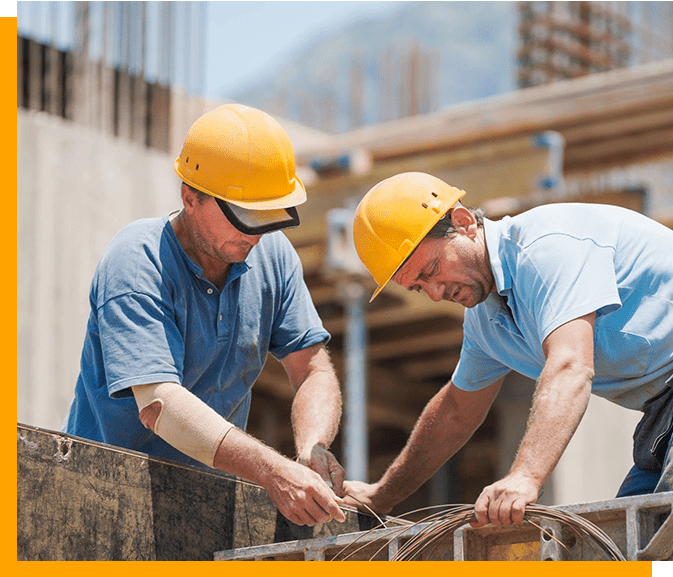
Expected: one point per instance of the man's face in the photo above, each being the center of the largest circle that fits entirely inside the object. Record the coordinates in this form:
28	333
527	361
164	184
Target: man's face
215	237
455	269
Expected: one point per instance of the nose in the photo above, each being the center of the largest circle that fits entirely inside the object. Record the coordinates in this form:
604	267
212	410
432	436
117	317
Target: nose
434	290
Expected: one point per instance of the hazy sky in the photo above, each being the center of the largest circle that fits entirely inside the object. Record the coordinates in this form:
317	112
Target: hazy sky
249	38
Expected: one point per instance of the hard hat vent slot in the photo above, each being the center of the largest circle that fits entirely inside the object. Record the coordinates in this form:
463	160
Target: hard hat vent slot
434	194
197	167
186	160
424	205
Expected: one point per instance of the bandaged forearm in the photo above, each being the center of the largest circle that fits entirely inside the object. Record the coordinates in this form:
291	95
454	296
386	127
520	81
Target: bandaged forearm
184	421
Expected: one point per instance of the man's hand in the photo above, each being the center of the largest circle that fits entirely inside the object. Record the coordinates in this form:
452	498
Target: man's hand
446	423
316	410
561	397
302	496
504	502
365	496
326	465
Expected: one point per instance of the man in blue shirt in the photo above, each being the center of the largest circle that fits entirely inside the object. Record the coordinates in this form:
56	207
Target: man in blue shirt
576	296
185	308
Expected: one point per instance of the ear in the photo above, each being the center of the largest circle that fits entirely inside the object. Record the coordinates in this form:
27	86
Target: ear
463	220
188	197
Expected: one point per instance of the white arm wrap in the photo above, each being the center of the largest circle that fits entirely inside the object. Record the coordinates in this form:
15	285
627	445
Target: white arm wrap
184	421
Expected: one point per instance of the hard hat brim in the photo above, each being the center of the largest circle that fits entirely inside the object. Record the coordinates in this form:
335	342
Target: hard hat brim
380	287
378	290
256	222
296	196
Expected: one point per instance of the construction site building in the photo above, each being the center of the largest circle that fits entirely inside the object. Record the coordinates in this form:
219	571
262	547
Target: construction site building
561	40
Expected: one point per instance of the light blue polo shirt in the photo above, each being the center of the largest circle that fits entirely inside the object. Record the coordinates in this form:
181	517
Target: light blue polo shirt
154	318
555	263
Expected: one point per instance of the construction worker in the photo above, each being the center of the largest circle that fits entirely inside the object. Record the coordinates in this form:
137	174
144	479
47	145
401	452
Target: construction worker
578	297
185	308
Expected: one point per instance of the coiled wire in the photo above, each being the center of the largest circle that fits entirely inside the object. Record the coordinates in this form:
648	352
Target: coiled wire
440	525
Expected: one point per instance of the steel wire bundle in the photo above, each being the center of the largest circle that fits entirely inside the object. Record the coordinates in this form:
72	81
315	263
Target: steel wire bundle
439	526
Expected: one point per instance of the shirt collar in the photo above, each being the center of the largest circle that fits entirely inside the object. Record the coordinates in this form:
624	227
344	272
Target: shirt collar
493	233
236	270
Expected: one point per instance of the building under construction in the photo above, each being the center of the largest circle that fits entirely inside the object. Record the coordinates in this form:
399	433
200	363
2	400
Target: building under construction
561	40
604	137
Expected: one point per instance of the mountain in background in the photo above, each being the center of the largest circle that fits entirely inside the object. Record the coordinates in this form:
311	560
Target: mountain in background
423	57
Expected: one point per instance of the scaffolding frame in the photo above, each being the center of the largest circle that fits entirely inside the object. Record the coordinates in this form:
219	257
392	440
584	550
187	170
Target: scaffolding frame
641	526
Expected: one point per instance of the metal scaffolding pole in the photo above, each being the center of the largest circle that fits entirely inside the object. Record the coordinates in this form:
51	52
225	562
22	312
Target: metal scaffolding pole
355	419
343	265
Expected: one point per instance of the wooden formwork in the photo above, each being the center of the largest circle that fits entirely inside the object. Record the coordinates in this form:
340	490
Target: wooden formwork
78	500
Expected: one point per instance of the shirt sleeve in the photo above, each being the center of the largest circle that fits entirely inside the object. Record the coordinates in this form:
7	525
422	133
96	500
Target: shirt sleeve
140	343
560	278
476	370
297	324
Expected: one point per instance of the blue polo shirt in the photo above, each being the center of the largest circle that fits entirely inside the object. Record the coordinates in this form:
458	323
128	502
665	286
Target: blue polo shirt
154	318
555	263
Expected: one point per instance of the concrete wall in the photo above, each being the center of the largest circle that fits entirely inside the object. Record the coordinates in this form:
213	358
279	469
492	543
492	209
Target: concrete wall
76	189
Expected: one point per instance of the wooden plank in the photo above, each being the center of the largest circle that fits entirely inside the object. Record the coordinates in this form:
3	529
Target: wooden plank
394	387
665	218
20	69
402	314
439	340
633	199
524	111
610	127
510	166
422	370
624	150
53	81
139	112
311	254
124	104
106	103
35	78
81	500
159	98
394	398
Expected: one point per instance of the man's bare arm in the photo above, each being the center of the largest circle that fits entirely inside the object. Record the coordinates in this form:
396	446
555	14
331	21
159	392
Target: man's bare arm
187	423
316	411
447	422
561	398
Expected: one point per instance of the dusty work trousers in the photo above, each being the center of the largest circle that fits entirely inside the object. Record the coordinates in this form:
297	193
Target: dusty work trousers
652	449
641	481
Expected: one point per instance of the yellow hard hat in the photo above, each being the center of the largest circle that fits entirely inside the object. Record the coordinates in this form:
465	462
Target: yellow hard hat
244	158
393	218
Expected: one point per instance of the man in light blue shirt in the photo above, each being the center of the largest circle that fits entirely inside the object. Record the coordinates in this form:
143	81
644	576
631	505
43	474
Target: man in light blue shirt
578	297
556	263
185	308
